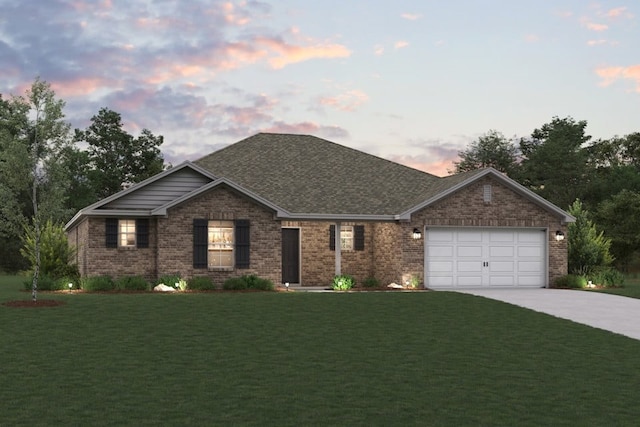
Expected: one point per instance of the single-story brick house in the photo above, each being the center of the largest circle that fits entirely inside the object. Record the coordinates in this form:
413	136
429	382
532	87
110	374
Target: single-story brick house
300	209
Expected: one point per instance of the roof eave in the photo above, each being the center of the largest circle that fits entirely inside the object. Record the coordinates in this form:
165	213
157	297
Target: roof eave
338	217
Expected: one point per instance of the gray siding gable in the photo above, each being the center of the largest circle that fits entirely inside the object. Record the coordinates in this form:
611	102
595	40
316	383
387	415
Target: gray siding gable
160	192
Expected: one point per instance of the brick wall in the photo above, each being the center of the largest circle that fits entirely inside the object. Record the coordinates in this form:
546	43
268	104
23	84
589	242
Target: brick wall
175	242
318	260
467	208
390	253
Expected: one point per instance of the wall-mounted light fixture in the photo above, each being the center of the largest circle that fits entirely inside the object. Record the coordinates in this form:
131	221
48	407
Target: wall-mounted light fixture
417	234
559	235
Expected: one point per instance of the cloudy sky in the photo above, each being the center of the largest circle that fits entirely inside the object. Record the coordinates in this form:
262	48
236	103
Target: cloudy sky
413	81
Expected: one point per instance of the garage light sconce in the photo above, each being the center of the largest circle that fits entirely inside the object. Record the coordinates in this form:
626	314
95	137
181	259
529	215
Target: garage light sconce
417	234
559	235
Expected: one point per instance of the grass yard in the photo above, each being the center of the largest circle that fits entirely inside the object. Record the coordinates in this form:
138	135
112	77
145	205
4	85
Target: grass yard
631	287
291	359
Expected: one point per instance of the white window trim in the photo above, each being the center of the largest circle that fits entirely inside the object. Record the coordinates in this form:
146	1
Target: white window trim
127	233
220	243
347	238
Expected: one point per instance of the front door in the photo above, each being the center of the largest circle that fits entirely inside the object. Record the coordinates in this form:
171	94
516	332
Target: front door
291	255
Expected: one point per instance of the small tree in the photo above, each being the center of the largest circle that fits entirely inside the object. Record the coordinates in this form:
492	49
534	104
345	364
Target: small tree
56	255
588	249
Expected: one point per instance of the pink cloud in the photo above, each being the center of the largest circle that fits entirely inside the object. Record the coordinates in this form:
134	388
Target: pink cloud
401	44
81	86
290	54
611	75
434	167
411	16
531	38
378	50
232	17
596	27
596	42
348	101
618	12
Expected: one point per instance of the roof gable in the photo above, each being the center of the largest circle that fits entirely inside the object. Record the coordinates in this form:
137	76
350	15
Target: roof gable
454	183
154	192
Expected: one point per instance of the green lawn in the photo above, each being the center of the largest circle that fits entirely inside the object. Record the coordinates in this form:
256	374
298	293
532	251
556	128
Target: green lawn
291	359
631	287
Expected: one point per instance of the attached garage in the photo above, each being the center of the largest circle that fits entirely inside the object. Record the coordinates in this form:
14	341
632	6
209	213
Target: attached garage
458	257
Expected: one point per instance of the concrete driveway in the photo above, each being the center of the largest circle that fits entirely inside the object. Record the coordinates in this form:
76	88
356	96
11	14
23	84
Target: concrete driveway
609	312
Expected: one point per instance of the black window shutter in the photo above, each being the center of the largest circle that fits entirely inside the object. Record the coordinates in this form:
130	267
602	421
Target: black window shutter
111	232
142	232
332	237
200	244
243	243
358	242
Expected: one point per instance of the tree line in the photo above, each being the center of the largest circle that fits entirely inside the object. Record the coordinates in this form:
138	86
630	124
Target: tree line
48	171
597	179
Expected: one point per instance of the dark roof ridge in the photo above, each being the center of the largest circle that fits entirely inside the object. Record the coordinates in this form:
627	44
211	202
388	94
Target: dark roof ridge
305	135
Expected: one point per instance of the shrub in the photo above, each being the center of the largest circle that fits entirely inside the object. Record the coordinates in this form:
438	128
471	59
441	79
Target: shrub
56	255
370	282
63	283
45	283
200	283
132	283
99	284
571	281
234	284
171	280
248	282
607	277
343	282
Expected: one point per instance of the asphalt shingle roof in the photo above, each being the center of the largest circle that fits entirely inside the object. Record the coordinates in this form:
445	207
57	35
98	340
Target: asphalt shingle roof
307	174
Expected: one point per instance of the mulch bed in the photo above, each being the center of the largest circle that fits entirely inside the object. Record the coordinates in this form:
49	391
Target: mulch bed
29	303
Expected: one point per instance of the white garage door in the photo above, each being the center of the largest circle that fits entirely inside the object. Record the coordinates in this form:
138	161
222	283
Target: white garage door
485	258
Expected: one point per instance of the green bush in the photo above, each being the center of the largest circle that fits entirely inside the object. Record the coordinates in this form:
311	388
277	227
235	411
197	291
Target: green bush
234	284
63	283
98	284
258	283
132	283
56	255
201	283
607	277
571	281
45	283
370	282
168	280
343	282
248	282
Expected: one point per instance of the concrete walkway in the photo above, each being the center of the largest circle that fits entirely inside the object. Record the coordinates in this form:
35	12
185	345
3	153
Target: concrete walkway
613	313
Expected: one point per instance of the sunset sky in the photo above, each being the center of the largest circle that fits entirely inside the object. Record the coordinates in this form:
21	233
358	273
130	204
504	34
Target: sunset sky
413	81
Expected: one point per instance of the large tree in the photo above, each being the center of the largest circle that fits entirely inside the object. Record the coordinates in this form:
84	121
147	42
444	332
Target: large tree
554	162
14	180
116	158
489	150
619	216
33	133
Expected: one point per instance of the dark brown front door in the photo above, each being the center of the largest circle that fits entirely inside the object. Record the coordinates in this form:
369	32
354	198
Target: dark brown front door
290	255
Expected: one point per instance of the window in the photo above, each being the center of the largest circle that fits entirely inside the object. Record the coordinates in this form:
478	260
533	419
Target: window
127	233
351	237
346	238
220	244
